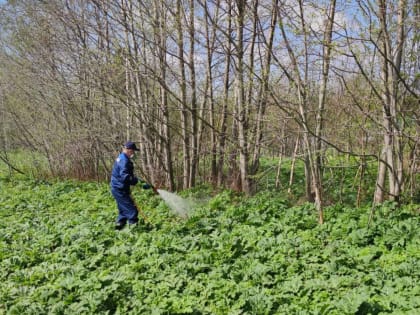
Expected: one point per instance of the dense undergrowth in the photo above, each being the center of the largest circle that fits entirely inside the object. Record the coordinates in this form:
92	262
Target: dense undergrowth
60	255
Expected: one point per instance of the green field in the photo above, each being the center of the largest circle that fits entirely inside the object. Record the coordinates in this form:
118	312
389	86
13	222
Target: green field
235	255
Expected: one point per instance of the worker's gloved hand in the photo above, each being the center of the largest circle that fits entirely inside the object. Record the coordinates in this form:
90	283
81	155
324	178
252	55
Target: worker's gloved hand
147	186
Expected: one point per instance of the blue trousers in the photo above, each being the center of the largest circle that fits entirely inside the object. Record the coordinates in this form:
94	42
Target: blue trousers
127	210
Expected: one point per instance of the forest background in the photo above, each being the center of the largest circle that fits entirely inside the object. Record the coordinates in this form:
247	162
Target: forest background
212	89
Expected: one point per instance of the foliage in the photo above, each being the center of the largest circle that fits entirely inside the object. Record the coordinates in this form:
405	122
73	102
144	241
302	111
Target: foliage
60	255
30	163
341	179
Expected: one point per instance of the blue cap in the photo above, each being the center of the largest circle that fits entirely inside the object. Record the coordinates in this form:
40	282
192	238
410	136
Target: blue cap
131	145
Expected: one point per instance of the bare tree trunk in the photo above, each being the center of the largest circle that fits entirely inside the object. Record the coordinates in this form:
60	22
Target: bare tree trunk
240	100
414	168
183	88
263	94
160	37
280	157
327	42
391	58
299	79
224	110
292	166
127	104
194	103
362	171
278	173
209	91
317	171
380	179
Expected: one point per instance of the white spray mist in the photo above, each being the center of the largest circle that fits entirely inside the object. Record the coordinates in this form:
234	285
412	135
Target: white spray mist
180	206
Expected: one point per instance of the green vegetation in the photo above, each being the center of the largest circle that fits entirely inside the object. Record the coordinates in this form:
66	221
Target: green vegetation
60	255
30	163
212	92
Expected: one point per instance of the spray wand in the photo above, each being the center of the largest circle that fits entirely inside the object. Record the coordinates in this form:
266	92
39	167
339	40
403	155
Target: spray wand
142	213
147	185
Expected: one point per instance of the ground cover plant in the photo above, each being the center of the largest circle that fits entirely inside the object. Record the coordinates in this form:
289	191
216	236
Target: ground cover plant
60	255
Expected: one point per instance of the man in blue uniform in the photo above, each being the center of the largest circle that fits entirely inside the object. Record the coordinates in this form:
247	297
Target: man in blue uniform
121	179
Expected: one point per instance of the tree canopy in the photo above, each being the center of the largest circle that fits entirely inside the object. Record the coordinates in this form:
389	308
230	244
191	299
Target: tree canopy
209	87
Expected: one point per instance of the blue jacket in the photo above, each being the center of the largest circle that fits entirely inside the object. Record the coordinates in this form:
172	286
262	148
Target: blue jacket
122	176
